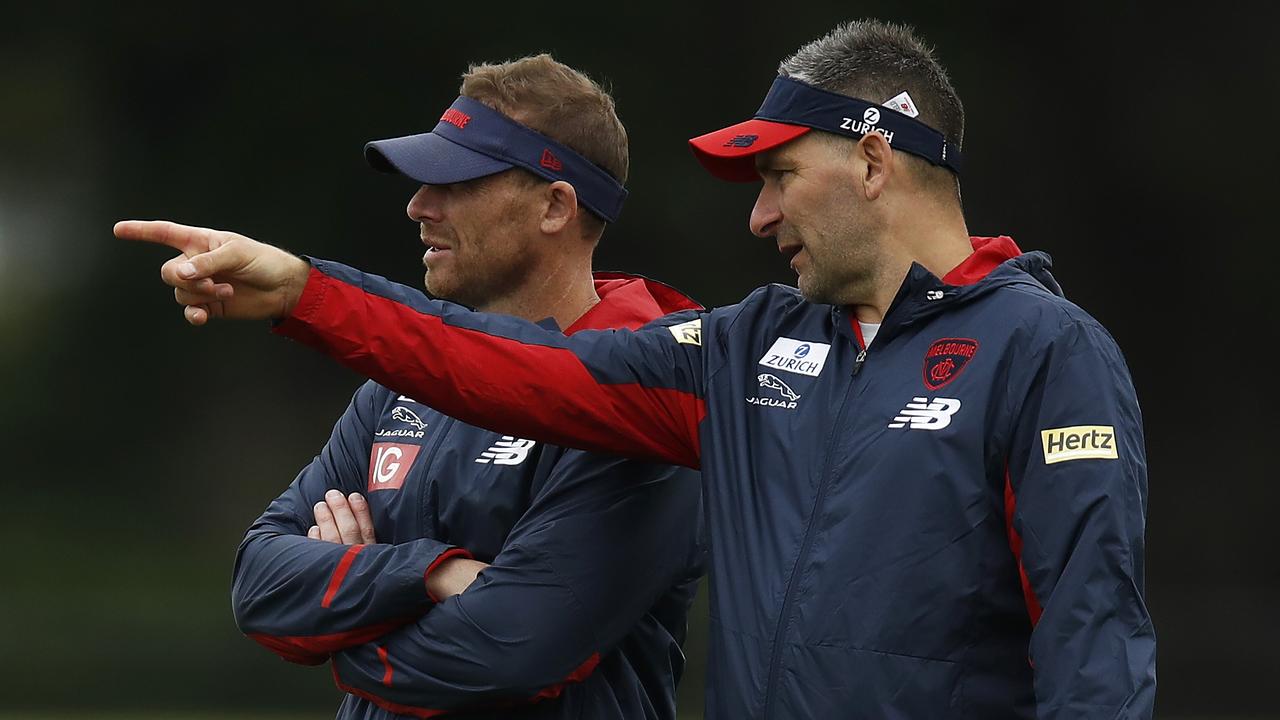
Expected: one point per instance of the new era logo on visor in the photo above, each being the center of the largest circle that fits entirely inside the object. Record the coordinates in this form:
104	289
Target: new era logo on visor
742	141
551	162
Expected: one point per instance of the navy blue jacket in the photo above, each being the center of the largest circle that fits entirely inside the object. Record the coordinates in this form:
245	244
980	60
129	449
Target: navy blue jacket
594	562
946	524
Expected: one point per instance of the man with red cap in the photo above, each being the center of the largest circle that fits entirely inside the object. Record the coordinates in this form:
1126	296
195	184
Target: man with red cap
924	469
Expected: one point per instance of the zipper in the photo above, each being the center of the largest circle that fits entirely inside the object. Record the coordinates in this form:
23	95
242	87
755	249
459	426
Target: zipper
784	620
445	429
858	342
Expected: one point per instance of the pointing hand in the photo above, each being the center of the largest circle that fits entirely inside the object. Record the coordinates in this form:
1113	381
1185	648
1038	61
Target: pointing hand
222	274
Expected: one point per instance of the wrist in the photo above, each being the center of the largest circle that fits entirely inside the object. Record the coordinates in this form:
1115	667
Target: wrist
295	281
450	574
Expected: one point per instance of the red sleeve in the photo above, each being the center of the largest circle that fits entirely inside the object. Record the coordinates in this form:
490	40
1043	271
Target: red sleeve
635	394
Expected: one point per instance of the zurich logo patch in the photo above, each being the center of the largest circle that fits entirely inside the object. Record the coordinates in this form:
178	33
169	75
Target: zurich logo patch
796	356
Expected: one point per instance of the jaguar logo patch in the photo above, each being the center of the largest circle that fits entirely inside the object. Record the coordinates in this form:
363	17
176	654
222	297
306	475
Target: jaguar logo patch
946	359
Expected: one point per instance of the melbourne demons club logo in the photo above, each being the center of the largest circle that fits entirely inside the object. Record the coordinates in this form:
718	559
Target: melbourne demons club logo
389	463
945	360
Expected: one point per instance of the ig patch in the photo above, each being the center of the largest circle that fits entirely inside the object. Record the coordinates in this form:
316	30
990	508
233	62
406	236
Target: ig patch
945	360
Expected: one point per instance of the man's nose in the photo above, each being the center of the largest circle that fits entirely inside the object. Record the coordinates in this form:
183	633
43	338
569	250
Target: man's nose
766	213
424	205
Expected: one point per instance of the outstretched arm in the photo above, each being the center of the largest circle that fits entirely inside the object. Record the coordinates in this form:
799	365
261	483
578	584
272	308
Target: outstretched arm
636	394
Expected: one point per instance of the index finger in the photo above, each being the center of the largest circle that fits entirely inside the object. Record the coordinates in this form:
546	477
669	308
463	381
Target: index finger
187	239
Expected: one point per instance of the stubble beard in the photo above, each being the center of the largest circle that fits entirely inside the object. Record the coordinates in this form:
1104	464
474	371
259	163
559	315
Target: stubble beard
843	271
480	278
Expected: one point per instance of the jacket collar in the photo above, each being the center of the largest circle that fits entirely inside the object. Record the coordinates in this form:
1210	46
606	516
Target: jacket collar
995	261
988	254
630	301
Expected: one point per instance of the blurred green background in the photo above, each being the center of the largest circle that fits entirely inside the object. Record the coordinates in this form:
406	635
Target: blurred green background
1134	142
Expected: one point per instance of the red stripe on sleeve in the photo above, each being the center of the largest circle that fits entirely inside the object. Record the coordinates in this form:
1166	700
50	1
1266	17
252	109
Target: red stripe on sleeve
542	393
315	649
1015	544
578	675
385	704
386	663
340	573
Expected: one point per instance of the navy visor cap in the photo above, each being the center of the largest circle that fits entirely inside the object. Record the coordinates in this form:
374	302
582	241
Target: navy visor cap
473	140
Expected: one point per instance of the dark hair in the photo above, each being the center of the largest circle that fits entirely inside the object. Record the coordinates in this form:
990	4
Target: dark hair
875	61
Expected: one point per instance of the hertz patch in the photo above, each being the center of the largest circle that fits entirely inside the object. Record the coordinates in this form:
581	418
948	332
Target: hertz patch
688	333
1079	442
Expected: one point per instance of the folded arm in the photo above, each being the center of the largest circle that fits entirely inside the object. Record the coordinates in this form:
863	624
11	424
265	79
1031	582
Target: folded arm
592	556
304	598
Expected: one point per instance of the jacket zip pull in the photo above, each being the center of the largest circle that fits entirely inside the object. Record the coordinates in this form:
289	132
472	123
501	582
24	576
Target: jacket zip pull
857	362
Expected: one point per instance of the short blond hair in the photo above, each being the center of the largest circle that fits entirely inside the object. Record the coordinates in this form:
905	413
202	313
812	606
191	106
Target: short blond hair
565	105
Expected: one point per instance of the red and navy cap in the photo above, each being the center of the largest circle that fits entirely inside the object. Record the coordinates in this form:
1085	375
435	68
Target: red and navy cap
793	108
473	140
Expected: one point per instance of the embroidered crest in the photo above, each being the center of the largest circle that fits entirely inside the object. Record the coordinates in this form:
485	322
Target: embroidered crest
945	359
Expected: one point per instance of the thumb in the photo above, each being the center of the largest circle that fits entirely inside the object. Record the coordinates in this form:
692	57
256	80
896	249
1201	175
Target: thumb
222	260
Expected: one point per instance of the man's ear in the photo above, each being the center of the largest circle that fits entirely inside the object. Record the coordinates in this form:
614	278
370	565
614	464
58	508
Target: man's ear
561	207
880	164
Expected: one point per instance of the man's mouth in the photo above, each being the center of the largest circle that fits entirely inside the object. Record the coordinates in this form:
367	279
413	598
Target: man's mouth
791	252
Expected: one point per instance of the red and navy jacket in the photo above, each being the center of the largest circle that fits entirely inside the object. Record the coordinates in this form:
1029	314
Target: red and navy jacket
593	562
946	524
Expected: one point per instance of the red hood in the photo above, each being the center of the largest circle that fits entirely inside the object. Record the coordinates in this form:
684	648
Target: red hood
629	301
988	254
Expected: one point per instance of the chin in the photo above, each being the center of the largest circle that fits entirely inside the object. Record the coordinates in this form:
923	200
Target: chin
437	288
814	292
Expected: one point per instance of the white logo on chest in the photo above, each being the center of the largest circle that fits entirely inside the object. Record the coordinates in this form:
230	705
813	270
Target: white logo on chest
507	451
796	356
925	414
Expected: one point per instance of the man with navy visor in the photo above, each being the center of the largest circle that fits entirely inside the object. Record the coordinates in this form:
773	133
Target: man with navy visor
924	469
442	567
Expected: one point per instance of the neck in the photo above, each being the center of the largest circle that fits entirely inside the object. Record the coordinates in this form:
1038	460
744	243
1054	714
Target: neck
931	233
560	288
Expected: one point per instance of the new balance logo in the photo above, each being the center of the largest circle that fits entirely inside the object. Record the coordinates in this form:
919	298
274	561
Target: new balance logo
551	162
924	414
742	141
507	451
